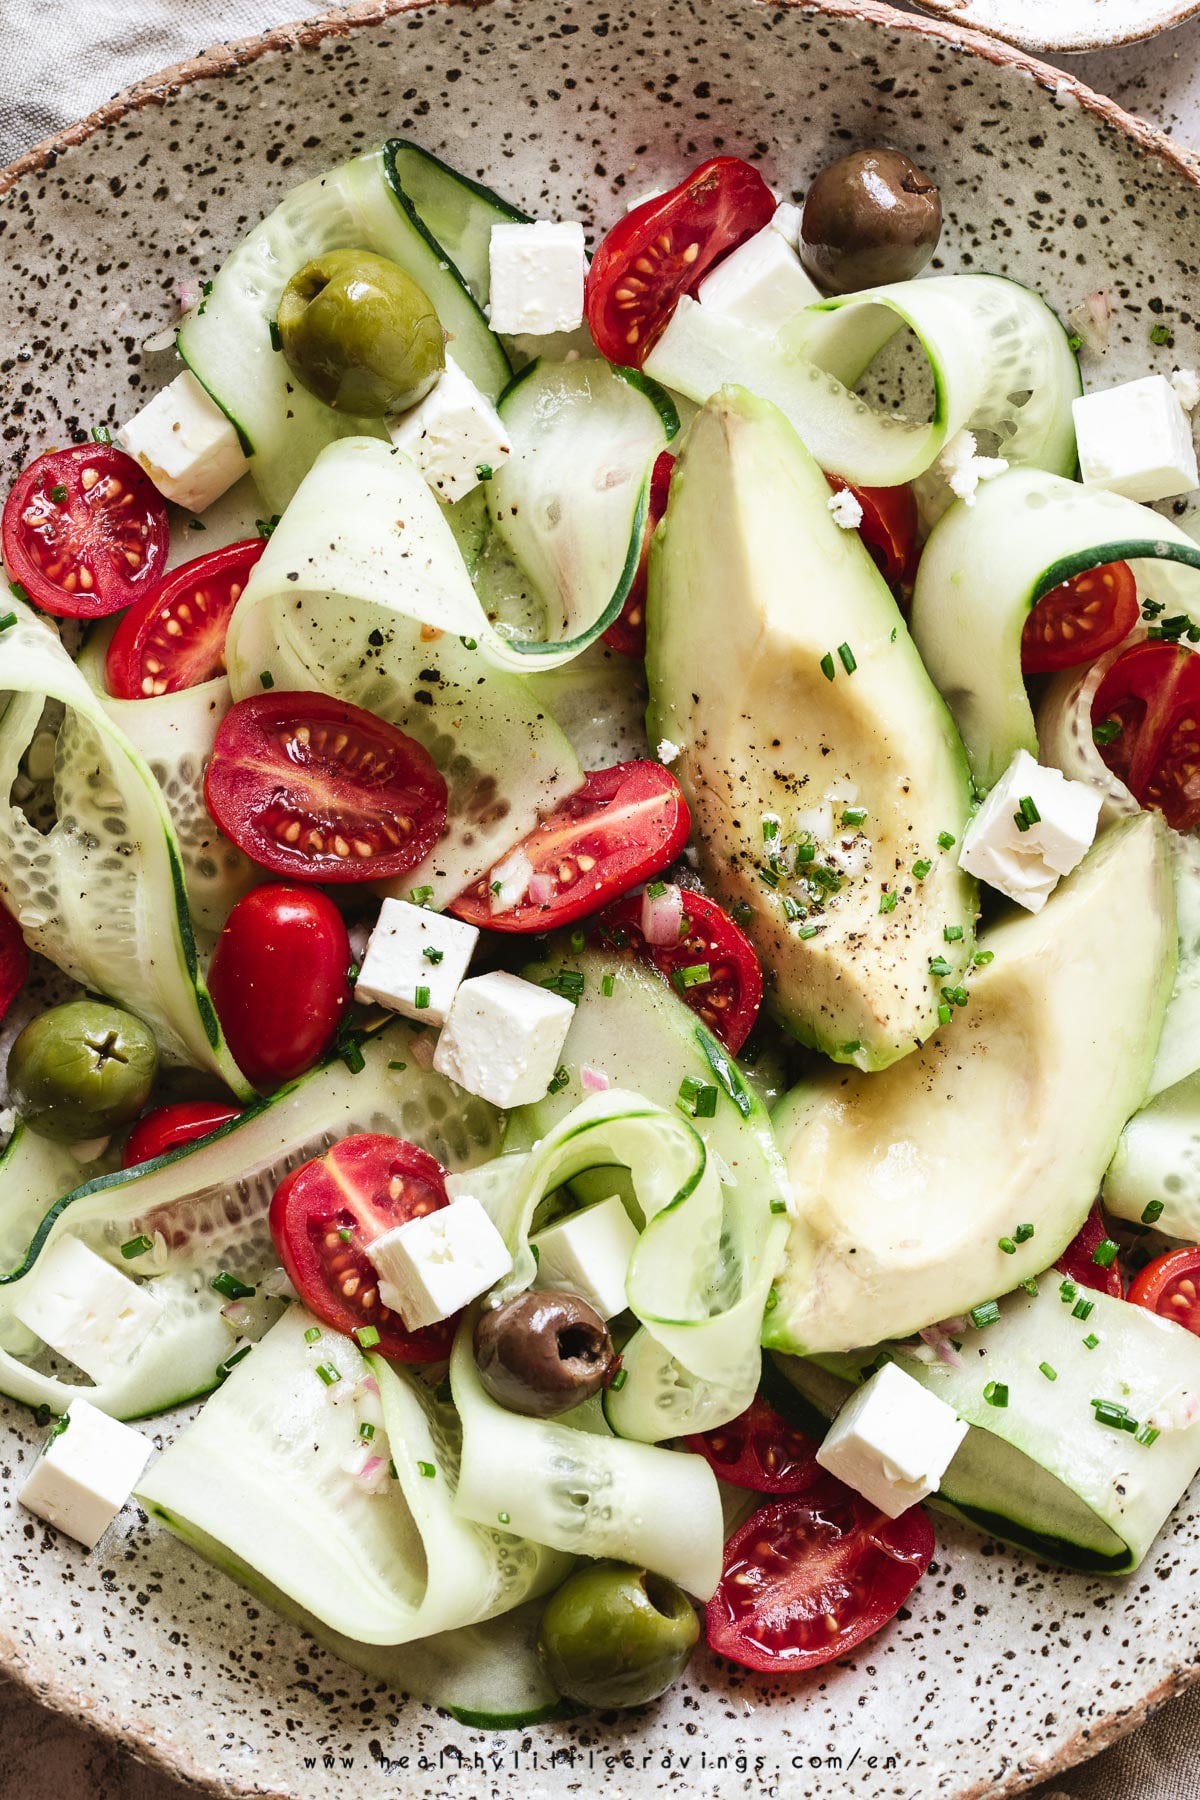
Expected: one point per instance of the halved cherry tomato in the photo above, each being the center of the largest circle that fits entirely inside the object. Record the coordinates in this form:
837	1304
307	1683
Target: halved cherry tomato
14	960
761	1451
279	980
324	1215
808	1578
729	1000
85	531
1170	1287
888	529
1147	711
665	248
1080	620
318	790
1077	1261
175	637
624	825
627	634
170	1127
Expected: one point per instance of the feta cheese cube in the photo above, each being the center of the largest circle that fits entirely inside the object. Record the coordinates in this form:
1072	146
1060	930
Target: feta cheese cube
503	1038
537	277
454	435
434	1265
760	284
415	961
1186	383
84	1475
787	223
1136	440
846	508
588	1254
1025	861
185	443
893	1441
963	469
85	1309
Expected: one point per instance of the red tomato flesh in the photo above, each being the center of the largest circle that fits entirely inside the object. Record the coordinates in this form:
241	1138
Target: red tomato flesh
807	1578
623	826
760	1451
14	960
1170	1287
170	1127
85	531
888	529
326	1212
317	790
728	1002
175	637
279	980
627	634
1080	620
1078	1259
665	248
1147	710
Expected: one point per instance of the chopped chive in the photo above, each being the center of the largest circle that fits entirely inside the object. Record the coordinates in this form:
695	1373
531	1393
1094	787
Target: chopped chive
772	1300
619	1379
345	1232
952	934
1029	810
939	966
367	1336
656	890
768	877
6	620
1147	1435
1105	1253
231	1362
792	909
265	527
311	1335
1048	1372
276	334
808	931
421	998
366	1431
996	1393
469	643
349	1048
101	434
945	1013
1083	1309
847	656
1160	334
1090	1341
1006	1244
1111	1412
1107	732
230	1286
806	853
328	1373
778	1206
608	986
420	896
827	668
1154	1211
484	471
504	1518
946	841
960	996
1030	1285
353	973
1023	1233
982	958
562	1077
698	1099
743	912
770	829
1067	1291
851	1048
58	494
401	1066
986	1313
567	982
921	869
887	901
138	1246
497	887
854	815
427	1470
578	942
694	975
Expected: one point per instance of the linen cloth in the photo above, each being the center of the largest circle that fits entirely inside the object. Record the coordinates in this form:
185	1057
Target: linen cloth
58	60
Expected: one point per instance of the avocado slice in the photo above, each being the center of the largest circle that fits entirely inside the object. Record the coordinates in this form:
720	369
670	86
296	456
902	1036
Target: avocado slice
780	663
914	1182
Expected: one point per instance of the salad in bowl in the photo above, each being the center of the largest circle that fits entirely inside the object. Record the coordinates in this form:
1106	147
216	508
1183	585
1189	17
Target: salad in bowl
620	842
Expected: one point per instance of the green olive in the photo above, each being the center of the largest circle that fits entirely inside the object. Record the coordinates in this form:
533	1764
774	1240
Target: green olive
616	1636
360	334
81	1070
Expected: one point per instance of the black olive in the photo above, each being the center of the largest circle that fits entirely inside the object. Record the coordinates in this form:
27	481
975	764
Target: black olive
543	1352
869	218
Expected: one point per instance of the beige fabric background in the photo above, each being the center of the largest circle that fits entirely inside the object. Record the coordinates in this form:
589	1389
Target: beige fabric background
60	58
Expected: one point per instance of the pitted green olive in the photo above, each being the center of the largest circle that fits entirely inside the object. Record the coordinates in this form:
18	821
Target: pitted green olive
79	1071
616	1636
360	334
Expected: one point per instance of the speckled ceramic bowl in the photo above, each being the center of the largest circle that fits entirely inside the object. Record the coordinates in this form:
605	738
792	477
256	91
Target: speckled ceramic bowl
1053	27
1003	1670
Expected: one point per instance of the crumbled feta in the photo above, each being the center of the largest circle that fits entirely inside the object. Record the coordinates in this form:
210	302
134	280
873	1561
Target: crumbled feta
503	1038
668	751
1026	861
537	277
1186	383
85	1309
84	1475
963	469
760	284
893	1441
1136	440
435	1264
454	435
846	508
415	961
787	223
185	444
588	1254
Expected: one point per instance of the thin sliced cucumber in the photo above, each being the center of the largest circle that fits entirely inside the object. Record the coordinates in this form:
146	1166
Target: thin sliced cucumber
204	1210
33	1174
265	1476
1037	1467
1000	360
456	211
102	893
986	565
1154	1178
228	342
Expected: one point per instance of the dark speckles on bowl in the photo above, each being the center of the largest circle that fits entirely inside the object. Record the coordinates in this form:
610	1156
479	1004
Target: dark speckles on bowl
1003	1669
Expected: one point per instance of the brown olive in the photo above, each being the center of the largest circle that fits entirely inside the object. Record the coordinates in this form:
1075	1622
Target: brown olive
869	218
543	1352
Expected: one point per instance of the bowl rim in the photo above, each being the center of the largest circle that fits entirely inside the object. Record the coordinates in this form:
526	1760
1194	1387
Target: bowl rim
19	1666
1173	15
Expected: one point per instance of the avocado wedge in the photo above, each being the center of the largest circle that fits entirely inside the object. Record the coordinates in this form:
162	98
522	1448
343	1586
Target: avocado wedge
827	782
915	1182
